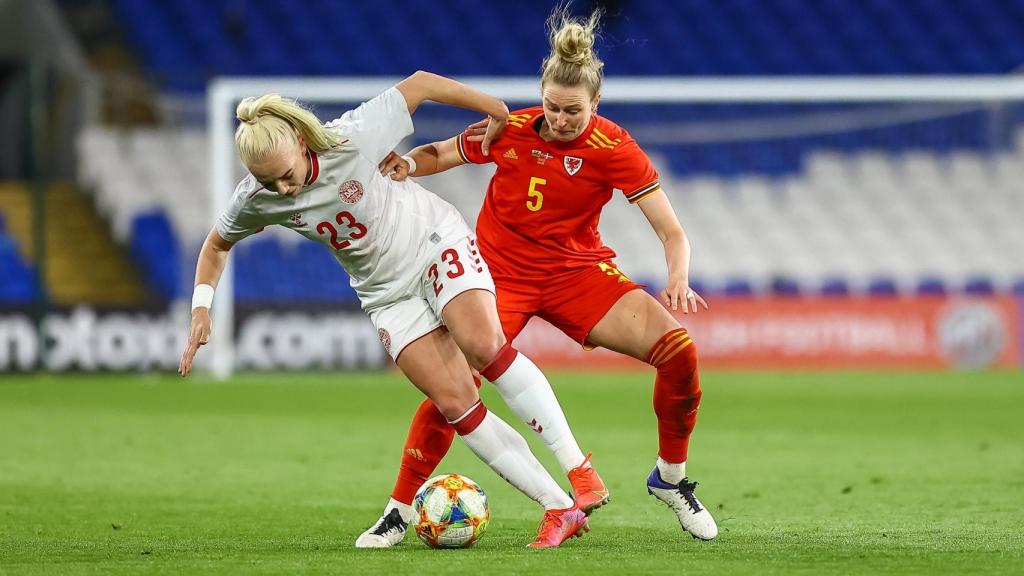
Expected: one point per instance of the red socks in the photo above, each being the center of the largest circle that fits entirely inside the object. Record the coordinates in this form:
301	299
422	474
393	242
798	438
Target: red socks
430	437
676	399
676	392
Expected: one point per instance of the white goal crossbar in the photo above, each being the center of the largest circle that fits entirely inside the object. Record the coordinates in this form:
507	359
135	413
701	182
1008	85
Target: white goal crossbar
224	93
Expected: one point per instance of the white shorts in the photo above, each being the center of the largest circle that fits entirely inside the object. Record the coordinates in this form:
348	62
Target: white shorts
453	269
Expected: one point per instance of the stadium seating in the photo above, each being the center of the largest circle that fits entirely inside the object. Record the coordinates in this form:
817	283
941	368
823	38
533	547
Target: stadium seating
912	199
184	43
18	283
862	222
155	249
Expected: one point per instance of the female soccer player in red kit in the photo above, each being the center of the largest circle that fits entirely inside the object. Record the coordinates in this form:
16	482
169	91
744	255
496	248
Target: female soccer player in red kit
557	166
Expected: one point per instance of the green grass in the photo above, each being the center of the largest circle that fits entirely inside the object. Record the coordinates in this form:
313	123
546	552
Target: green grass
812	474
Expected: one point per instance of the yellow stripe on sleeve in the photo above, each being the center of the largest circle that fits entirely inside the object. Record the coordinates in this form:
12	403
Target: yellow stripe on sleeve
611	142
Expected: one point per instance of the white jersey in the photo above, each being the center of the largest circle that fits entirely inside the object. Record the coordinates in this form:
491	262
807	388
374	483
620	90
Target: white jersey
381	231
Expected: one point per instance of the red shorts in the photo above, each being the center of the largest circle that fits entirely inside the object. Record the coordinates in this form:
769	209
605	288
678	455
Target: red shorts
574	303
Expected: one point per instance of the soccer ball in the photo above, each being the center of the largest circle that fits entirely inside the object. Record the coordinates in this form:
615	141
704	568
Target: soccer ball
451	511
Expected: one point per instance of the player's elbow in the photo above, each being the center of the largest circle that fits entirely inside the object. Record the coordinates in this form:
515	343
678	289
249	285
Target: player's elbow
671	235
416	88
420	76
417	79
216	243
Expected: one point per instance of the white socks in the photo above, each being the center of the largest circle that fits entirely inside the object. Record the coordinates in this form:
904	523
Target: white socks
408	514
504	450
528	393
671	473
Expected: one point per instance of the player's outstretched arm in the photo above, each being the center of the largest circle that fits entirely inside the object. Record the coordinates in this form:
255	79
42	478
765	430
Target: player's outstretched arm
422	161
212	258
423	86
427	86
677	293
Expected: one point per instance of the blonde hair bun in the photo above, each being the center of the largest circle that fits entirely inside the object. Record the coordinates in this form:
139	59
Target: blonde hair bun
574	44
572	60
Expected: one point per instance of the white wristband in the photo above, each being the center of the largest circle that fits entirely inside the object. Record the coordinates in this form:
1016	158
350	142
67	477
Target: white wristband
412	163
202	297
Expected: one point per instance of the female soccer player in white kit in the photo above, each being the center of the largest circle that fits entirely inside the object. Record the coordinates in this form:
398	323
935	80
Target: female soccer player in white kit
412	260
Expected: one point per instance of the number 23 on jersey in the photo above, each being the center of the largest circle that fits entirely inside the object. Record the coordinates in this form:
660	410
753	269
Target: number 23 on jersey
344	218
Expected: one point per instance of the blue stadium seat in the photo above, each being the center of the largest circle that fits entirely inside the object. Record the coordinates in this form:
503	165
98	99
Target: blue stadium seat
882	287
931	287
835	287
155	248
782	286
268	271
17	281
737	287
979	286
698	286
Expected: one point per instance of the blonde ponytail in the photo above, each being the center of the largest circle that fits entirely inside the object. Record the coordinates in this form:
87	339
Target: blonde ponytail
573	61
269	121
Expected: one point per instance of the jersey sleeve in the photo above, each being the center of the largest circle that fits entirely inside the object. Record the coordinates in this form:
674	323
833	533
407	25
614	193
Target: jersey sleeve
376	126
632	172
471	152
240	219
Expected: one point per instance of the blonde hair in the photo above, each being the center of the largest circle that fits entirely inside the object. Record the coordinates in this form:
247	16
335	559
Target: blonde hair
269	121
573	61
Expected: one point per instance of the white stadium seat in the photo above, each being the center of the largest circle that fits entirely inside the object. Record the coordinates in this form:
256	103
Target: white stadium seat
856	215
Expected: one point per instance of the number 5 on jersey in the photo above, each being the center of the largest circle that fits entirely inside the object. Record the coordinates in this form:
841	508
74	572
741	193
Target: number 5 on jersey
535	198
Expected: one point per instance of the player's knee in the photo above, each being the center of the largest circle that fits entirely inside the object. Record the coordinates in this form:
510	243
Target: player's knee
675	350
452	406
680	368
483	350
687	358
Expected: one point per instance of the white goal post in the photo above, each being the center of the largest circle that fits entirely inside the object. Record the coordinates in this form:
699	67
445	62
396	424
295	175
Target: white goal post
223	95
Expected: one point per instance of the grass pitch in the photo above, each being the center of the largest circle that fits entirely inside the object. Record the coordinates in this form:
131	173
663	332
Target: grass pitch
813	474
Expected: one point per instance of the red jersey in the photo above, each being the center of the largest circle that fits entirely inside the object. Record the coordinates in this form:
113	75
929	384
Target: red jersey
544	201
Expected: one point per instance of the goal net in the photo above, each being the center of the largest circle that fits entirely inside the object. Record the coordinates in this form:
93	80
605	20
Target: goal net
795	186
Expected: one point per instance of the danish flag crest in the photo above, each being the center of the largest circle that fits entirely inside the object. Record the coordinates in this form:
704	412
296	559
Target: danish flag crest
572	164
351	191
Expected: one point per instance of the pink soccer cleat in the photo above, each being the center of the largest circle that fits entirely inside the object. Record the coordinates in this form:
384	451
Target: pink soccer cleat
558	526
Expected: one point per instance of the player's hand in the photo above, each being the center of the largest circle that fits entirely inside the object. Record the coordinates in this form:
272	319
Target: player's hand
475	131
198	334
494	129
394	166
679	296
